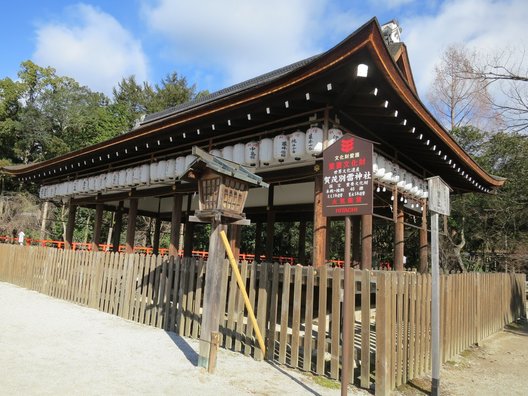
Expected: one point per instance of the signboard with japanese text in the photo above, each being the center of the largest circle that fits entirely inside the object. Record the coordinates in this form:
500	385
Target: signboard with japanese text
439	196
347	177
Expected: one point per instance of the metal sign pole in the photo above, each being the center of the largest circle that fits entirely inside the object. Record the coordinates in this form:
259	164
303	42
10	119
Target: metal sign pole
435	308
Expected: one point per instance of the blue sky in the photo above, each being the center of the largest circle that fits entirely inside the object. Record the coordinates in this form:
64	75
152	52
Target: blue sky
216	43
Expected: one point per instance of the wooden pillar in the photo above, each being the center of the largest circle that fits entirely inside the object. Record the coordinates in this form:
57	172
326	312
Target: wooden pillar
235	237
157	232
258	241
319	232
97	227
270	229
356	241
302	242
45	206
131	225
70	225
118	227
212	292
366	242
424	247
398	232
189	231
175	224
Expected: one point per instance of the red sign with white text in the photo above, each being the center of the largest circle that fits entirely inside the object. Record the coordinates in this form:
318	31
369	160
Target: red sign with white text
347	177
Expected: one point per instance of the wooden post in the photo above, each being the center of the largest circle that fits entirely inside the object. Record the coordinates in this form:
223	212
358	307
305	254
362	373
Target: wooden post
270	226
348	338
319	232
258	241
398	233
97	227
72	210
189	230
157	232
356	241
118	226
212	290
131	225
302	242
235	239
45	206
175	224
424	264
366	242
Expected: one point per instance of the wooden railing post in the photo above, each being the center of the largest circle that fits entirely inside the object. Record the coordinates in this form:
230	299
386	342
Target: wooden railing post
383	334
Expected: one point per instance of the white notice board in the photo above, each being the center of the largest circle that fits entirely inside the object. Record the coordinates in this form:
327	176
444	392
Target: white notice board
439	195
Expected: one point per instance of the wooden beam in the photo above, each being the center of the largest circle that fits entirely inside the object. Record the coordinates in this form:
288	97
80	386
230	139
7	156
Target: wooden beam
398	233
424	246
270	225
99	210
302	242
258	241
157	232
366	242
175	224
70	226
319	233
118	227
131	225
189	230
356	241
235	238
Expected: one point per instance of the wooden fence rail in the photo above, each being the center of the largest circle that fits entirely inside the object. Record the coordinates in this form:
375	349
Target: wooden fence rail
299	309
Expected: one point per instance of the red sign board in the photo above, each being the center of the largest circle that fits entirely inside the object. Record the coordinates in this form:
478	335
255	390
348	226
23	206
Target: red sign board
347	177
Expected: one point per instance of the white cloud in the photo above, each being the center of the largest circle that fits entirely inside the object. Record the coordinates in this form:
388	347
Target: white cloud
237	39
484	25
93	48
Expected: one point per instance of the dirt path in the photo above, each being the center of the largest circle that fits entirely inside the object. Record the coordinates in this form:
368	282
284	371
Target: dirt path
498	366
52	347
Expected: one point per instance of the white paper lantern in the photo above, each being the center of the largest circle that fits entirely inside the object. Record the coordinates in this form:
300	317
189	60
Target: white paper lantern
239	153
395	173
334	135
180	166
130	177
266	151
280	147
122	178
251	155
227	153
154	172
297	145
91	184
387	176
161	170
314	141
216	152
170	169
136	175
145	174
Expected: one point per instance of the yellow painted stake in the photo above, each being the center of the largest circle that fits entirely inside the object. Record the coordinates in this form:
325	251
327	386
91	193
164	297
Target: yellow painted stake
242	286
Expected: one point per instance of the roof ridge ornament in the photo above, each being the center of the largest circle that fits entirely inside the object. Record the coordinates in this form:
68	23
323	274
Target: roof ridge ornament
391	32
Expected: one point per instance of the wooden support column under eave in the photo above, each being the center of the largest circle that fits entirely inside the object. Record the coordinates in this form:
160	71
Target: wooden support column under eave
258	241
270	229
366	242
319	232
70	226
302	242
99	210
189	231
356	241
235	238
118	227
131	225
157	232
424	246
175	224
399	231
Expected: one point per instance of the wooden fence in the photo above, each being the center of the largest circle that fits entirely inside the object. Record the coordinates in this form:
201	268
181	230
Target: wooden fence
299	309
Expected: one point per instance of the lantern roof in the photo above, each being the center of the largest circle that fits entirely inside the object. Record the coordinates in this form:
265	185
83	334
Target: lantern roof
221	166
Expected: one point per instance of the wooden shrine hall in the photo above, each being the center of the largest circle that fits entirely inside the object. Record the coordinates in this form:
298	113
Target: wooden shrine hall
277	125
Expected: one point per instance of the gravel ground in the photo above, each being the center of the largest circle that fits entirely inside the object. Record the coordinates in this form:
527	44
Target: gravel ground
52	347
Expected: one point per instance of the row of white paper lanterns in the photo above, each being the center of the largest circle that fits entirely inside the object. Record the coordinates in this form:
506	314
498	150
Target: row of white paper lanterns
279	149
388	172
